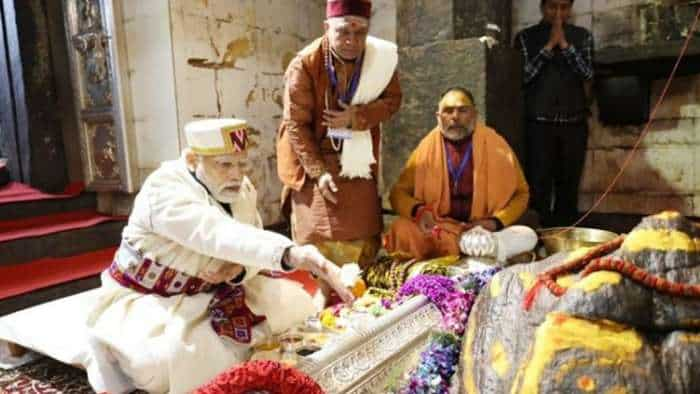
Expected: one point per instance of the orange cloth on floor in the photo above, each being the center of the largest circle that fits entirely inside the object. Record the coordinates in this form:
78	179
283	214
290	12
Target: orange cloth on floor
405	236
500	191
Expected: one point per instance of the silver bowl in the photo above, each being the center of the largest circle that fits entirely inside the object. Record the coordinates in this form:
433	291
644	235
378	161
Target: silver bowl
564	239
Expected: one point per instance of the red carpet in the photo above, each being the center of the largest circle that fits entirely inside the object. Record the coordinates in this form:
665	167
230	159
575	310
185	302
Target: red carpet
18	192
23	278
49	224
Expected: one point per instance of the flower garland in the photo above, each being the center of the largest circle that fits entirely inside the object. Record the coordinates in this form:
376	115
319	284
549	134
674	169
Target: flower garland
264	375
453	302
437	364
455	299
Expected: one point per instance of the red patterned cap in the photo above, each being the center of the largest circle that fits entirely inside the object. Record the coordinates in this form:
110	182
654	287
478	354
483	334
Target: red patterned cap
337	8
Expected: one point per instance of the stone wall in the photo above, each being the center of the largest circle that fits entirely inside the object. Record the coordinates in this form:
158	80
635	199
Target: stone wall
423	22
665	173
383	23
152	83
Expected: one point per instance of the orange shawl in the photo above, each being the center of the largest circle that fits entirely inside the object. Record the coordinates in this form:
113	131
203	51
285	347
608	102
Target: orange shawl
495	173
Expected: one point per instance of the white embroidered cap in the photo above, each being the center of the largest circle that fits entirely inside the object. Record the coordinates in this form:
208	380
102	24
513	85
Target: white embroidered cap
217	136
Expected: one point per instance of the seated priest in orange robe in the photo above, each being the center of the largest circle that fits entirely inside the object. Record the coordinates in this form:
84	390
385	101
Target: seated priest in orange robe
462	174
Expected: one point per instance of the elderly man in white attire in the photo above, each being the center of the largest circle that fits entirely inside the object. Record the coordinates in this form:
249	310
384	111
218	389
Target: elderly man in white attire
188	294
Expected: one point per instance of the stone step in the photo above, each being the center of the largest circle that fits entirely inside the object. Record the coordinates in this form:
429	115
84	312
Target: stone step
20	210
62	244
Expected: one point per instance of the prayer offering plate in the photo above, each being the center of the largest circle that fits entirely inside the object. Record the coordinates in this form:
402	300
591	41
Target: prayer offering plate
563	239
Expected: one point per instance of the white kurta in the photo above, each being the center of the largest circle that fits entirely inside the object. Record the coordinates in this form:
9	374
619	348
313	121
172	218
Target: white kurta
167	343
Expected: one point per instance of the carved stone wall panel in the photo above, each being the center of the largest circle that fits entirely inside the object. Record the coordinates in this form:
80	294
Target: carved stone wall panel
93	45
101	97
103	150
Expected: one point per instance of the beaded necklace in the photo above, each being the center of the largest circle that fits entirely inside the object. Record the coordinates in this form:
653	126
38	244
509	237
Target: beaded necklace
349	92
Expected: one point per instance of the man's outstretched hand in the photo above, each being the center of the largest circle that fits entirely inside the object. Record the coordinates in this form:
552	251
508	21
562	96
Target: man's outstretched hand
308	258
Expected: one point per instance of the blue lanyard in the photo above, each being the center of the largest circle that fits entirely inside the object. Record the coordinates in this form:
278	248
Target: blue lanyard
354	80
457	175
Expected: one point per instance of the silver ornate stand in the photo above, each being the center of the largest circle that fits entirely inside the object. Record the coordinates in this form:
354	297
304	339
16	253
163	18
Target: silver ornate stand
366	358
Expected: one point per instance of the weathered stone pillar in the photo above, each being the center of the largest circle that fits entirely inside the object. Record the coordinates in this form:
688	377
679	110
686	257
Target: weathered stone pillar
439	47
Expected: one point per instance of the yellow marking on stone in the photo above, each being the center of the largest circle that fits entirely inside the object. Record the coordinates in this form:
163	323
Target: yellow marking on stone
604	362
569	366
689	338
469	384
580	252
617	390
527	279
495	286
519	376
236	49
250	98
667	215
561	332
596	280
663	240
586	383
286	59
499	359
277	98
566	281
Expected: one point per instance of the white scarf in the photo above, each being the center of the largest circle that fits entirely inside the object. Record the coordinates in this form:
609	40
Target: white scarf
378	66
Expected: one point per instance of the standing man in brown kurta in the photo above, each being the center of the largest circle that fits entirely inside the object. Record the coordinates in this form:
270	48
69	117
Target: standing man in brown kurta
338	91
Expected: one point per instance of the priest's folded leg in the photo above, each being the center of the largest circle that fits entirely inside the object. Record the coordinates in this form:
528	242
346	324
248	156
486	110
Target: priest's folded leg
451	238
405	236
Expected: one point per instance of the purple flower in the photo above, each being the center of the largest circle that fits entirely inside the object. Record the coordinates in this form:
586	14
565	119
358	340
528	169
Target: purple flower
434	287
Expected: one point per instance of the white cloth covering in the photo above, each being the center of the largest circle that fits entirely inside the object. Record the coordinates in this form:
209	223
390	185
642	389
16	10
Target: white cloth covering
56	328
378	66
500	245
160	344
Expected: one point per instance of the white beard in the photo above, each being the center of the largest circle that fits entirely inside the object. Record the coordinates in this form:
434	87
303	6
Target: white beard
224	197
216	190
243	202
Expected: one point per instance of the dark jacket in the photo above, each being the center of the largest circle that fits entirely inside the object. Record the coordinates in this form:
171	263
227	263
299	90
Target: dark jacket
554	80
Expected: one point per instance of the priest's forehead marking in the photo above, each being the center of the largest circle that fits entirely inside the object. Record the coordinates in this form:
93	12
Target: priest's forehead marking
349	20
455	98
